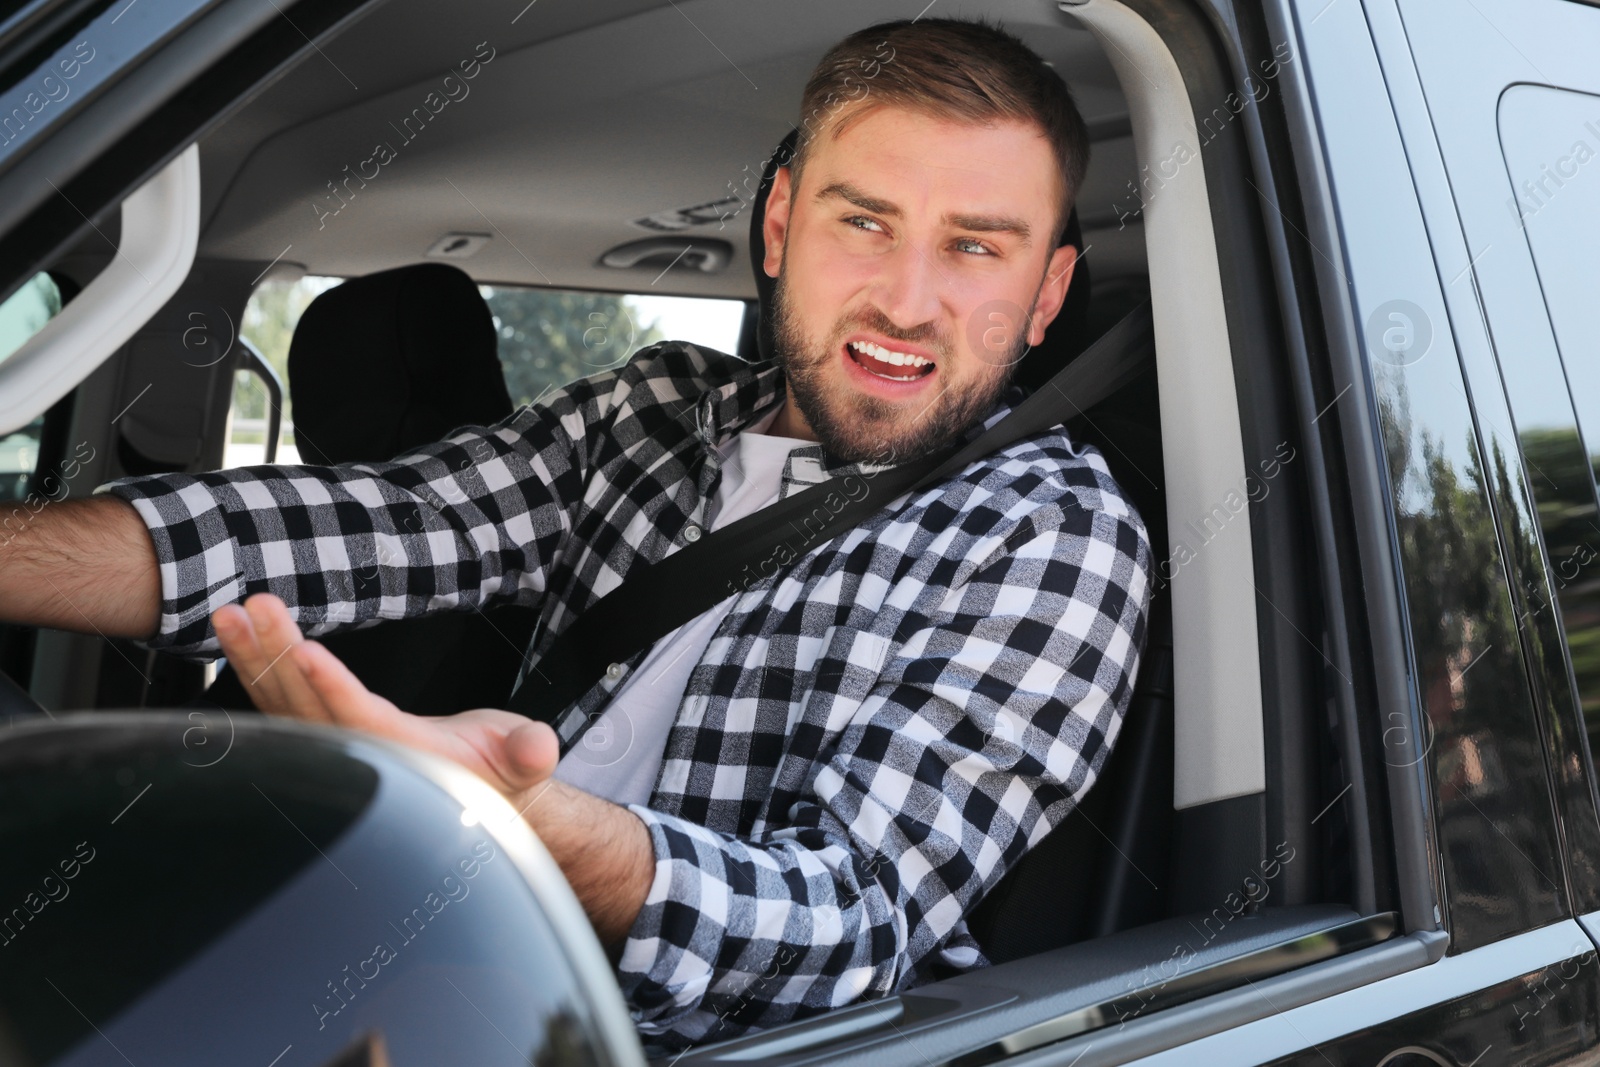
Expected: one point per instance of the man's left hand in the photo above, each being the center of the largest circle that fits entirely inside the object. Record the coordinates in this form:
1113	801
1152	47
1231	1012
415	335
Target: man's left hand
287	675
604	850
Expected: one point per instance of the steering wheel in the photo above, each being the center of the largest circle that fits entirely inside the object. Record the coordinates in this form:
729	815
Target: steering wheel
15	703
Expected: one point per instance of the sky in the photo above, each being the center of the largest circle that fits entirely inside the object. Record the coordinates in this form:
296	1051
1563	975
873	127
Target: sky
713	323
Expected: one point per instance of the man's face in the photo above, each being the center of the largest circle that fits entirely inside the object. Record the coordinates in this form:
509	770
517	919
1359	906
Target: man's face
915	264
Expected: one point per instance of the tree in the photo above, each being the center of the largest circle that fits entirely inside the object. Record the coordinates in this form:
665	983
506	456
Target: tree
550	337
269	321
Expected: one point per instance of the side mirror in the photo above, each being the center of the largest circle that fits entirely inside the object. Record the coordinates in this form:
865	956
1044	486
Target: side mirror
215	888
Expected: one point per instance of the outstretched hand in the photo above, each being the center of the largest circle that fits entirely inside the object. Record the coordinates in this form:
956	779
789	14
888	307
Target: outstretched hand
603	849
288	675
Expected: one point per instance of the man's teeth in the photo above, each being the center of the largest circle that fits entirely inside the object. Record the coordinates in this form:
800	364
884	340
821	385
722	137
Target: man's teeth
884	355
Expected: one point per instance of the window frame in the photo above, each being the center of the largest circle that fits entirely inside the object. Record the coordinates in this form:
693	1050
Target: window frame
1055	1011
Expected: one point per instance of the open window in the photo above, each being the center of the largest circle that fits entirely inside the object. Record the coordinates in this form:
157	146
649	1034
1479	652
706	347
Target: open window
1237	830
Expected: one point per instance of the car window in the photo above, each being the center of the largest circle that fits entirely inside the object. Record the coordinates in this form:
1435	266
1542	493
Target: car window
26	311
1551	144
549	337
546	338
268	324
19	457
22	315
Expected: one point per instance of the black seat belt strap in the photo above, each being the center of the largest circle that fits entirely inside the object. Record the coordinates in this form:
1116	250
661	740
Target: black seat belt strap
660	597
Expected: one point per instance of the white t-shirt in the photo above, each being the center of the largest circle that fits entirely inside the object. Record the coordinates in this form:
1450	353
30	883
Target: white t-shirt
620	754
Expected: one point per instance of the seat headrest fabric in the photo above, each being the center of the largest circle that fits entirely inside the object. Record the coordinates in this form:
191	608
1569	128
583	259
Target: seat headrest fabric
1064	339
391	361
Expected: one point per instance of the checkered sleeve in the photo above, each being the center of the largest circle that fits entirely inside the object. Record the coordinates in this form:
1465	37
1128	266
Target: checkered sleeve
986	726
466	522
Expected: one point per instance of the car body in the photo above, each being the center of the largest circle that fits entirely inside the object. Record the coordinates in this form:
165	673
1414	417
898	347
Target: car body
1354	816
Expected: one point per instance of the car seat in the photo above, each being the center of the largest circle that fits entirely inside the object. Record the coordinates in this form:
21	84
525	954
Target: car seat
1105	867
378	365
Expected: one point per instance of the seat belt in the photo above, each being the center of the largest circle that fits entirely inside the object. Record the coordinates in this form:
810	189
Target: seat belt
660	597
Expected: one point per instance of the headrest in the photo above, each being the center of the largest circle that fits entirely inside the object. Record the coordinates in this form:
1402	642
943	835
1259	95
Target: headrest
393	360
1064	339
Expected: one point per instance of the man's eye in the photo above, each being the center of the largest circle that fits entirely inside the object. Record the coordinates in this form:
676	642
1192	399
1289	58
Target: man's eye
861	222
968	244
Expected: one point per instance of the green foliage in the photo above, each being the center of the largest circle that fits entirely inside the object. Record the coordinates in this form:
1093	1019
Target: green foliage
269	321
1456	567
1457	599
551	337
1563	485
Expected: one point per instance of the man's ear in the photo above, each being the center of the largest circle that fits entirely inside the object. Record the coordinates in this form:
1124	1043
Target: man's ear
776	223
1053	292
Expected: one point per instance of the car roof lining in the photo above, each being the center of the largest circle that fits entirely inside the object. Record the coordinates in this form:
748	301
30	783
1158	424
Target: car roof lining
684	119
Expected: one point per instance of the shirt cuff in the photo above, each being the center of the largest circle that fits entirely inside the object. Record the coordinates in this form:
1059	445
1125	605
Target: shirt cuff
196	556
665	970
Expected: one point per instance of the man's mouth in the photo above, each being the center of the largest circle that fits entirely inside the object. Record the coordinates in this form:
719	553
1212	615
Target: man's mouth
889	364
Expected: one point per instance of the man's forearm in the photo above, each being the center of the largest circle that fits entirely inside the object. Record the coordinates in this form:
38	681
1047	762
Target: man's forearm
85	565
603	849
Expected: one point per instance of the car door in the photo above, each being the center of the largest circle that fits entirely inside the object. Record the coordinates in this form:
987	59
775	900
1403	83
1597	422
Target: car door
1518	129
1500	760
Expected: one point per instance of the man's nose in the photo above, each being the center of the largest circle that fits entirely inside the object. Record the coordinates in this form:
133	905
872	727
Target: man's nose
908	289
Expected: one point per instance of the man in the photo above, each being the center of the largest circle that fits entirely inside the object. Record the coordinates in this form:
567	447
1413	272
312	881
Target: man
824	773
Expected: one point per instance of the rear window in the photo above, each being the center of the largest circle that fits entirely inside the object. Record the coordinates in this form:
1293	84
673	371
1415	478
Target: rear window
546	338
549	337
1551	161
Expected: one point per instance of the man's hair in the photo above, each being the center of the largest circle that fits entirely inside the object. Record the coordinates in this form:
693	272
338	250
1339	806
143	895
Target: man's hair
965	71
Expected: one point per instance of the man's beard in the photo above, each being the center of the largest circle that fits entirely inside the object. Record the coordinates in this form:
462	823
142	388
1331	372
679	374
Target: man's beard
853	427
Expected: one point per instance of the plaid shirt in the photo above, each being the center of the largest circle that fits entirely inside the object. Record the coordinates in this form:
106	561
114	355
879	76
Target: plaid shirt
873	736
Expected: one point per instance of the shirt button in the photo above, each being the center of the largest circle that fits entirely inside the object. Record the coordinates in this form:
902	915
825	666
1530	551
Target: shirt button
691	533
614	671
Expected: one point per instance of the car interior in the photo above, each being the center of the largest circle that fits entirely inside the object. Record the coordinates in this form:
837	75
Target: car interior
619	146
